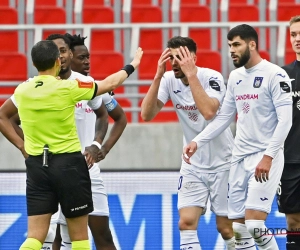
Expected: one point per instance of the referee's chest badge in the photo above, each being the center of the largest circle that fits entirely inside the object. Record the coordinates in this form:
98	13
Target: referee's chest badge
257	81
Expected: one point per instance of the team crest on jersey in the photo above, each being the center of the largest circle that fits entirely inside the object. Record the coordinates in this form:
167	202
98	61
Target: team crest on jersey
285	88
214	85
257	81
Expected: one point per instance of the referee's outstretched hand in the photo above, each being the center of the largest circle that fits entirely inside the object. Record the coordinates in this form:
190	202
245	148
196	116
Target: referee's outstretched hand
188	151
137	58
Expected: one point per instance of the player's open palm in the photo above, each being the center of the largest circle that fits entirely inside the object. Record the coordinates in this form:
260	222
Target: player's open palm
137	58
186	61
161	64
188	151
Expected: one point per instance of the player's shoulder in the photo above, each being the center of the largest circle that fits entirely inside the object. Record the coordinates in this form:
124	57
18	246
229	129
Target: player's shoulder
169	75
106	97
209	73
76	75
289	67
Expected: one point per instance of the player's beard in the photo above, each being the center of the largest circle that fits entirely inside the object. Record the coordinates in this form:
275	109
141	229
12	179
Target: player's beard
64	70
243	59
180	76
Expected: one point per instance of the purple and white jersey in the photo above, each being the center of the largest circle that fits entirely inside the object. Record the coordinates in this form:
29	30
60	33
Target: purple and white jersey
255	93
215	155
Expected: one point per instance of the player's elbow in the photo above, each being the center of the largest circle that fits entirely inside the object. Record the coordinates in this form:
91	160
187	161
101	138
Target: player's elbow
146	116
208	115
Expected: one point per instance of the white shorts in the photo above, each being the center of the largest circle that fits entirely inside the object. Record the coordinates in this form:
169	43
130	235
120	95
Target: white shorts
194	189
99	195
245	192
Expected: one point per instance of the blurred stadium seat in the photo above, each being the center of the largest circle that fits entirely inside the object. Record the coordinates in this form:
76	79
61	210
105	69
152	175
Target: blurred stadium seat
209	59
290	56
286	10
13	66
241	12
197	13
150	39
105	63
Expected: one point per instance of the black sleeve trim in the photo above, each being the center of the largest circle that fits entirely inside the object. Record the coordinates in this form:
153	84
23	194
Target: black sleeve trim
95	92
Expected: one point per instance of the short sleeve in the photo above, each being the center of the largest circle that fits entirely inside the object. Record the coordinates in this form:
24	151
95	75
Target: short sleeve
82	90
280	88
95	103
163	91
110	102
215	87
13	99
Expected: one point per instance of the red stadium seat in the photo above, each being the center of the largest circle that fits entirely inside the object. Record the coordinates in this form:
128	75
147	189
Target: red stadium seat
209	59
13	67
44	15
100	39
4	3
8	15
150	39
242	12
105	63
9	41
290	56
286	10
44	3
124	103
96	2
264	55
197	13
163	116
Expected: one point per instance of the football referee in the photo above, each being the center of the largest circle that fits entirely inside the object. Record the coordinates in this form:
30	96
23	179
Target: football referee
56	170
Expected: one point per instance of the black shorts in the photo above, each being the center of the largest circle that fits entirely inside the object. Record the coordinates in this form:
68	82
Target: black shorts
65	181
288	191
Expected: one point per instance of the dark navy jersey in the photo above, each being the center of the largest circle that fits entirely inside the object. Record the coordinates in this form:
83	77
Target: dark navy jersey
292	142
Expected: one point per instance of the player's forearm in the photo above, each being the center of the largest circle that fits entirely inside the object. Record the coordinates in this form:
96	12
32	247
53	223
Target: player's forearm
149	107
100	129
206	105
285	118
111	82
217	126
115	133
7	129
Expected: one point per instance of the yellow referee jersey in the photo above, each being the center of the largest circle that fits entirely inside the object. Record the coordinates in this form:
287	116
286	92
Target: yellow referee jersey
46	108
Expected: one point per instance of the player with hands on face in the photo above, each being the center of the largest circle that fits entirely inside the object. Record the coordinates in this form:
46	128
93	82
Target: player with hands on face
196	94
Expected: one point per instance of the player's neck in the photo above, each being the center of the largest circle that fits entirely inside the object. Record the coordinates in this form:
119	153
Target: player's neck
66	75
254	60
185	81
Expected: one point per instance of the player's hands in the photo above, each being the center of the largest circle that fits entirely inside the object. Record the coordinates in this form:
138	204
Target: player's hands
91	155
161	64
188	151
137	58
186	61
263	168
24	153
102	153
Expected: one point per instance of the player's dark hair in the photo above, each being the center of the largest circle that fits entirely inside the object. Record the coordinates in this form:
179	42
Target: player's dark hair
75	40
245	32
44	55
59	36
177	41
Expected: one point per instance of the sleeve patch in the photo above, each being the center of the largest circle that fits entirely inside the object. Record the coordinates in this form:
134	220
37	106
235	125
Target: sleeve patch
214	85
285	88
86	85
111	105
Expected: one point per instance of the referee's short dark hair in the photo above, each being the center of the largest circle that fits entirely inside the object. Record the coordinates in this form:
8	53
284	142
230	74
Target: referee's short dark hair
44	55
177	41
